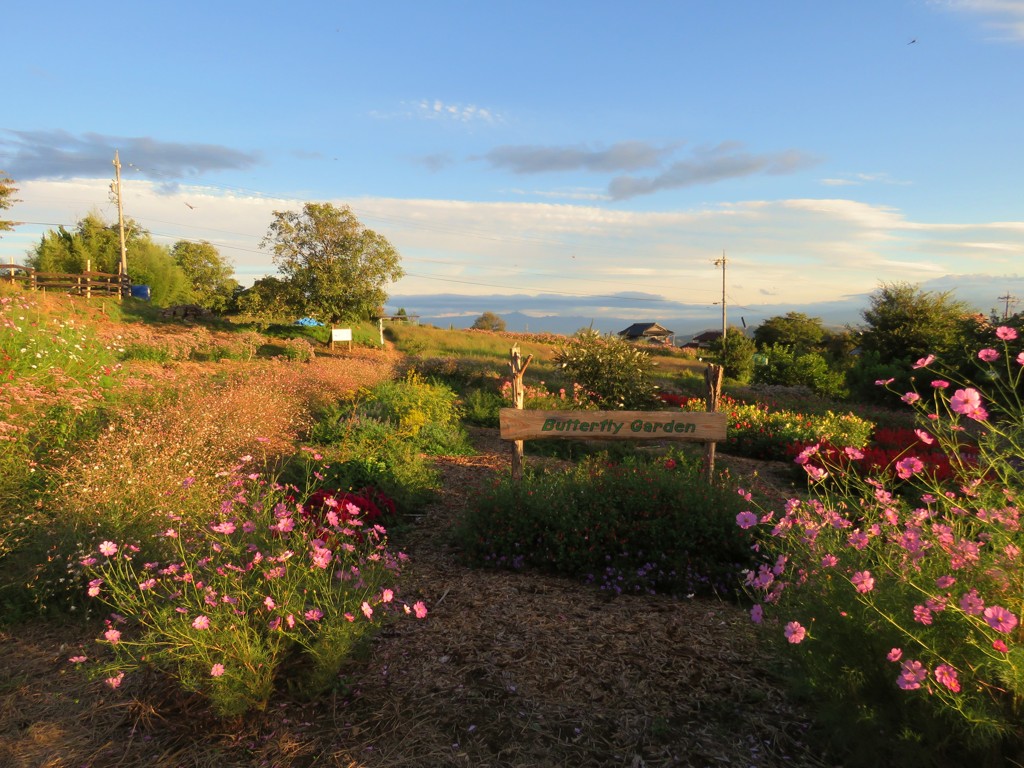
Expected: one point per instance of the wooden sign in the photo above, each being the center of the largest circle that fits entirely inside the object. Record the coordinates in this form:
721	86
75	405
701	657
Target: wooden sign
341	334
612	425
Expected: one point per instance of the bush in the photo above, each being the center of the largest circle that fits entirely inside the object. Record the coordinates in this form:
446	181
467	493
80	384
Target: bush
787	368
640	525
262	598
903	609
612	372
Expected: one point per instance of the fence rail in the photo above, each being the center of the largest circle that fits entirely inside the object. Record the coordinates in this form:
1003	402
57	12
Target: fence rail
86	284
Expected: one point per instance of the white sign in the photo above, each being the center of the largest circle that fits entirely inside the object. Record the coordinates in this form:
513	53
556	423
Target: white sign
341	334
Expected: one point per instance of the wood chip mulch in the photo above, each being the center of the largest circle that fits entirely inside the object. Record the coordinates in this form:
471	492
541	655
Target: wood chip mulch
509	669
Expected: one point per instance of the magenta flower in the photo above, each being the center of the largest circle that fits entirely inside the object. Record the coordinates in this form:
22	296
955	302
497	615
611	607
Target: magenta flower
112	636
884	382
147	584
1000	619
746	519
201	622
829	561
910	398
1020	359
988	355
795	632
1000	646
314	614
387	596
922	615
78	659
940	384
924	437
1006	333
946	675
863	581
367	610
924	362
420	610
909	466
815	473
968	402
321	557
115	682
268	601
854	453
216	670
757	614
945	582
912	674
971	603
895	654
108	548
94	587
225	527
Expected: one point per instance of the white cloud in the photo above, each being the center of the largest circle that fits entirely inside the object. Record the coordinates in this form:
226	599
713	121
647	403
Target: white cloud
1006	16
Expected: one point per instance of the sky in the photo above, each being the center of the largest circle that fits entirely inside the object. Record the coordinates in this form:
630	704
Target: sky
578	158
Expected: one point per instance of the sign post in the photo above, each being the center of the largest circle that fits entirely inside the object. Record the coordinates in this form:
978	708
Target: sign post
341	334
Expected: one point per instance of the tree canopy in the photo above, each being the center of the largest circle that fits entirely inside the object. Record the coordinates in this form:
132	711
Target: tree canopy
794	329
7	190
905	323
489	321
210	275
336	267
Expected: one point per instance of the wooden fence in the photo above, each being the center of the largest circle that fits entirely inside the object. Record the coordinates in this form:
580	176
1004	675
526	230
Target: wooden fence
87	284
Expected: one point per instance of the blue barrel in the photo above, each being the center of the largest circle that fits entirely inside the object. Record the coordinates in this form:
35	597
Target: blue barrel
140	292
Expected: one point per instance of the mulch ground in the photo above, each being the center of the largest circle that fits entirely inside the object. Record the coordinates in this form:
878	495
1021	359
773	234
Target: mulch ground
509	669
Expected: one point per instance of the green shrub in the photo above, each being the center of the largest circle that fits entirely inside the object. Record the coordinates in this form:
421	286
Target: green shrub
643	524
787	368
613	373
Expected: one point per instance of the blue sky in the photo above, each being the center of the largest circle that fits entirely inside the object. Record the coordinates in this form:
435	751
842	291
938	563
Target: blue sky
575	158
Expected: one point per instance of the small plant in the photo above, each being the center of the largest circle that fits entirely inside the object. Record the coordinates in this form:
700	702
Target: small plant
263	596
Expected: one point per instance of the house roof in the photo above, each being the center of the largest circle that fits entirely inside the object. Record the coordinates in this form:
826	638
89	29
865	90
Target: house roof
636	330
707	336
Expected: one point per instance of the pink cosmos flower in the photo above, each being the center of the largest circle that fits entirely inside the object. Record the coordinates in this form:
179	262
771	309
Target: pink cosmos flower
946	675
945	582
314	614
988	355
746	519
971	603
1020	359
1006	333
367	610
895	654
854	453
757	614
1000	646
225	527
910	398
863	581
940	384
94	587
829	561
147	584
884	382
387	596
268	601
922	615
420	610
912	673
321	557
924	437
112	636
908	467
858	540
795	632
1000	619
216	670
78	659
815	473
924	362
968	402
108	548
115	682
201	622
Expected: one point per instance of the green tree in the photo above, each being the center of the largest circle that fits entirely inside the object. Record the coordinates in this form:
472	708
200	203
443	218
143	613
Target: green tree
738	357
7	190
489	321
789	368
210	275
269	298
794	329
93	245
613	372
337	267
151	264
905	323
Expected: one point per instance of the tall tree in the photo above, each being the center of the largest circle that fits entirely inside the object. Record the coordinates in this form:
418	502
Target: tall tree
337	267
7	190
794	329
269	298
209	274
93	244
905	323
489	321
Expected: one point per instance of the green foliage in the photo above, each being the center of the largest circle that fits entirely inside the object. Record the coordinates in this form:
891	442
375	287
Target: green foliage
788	368
269	298
489	321
209	274
901	598
151	264
905	323
794	329
645	524
7	199
276	595
335	267
738	355
613	373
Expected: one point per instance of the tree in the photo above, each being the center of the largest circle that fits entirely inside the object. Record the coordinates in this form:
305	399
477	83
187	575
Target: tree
489	321
7	190
208	273
794	329
336	267
738	359
905	323
269	298
93	244
151	264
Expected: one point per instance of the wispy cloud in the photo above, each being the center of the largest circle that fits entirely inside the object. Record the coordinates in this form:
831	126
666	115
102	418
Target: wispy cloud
27	155
463	113
1006	16
727	160
623	156
860	179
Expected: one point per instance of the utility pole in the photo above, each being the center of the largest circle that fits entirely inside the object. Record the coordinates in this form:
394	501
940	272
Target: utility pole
1007	300
122	266
722	261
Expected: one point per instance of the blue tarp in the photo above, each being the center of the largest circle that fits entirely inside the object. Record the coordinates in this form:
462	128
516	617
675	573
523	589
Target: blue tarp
307	321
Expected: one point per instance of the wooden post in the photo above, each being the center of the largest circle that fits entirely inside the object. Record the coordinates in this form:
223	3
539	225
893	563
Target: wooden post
518	367
713	379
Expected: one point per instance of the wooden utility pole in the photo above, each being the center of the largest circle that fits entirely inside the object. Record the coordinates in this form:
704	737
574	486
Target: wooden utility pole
722	261
1008	300
122	267
518	367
